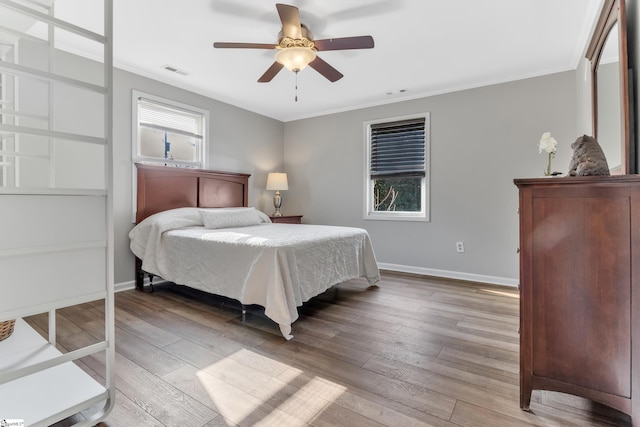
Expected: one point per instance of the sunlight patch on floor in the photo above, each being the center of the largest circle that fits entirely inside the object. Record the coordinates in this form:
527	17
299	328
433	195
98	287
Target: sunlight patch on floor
317	386
266	391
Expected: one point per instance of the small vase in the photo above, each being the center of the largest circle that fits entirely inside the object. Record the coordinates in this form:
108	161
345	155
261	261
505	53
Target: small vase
548	171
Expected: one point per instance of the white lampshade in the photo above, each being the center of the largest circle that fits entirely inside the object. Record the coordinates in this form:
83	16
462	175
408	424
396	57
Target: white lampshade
295	58
277	181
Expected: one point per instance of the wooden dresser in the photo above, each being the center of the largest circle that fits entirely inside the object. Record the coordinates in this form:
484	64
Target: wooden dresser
579	293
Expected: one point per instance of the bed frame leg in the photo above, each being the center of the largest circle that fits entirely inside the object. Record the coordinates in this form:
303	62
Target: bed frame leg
244	313
139	275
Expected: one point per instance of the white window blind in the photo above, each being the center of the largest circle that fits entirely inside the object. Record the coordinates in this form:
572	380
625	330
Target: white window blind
155	115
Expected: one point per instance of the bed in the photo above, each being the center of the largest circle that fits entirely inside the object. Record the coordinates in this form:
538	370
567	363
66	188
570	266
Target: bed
194	228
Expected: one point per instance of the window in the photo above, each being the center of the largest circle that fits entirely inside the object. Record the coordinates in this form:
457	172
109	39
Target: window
168	133
397	176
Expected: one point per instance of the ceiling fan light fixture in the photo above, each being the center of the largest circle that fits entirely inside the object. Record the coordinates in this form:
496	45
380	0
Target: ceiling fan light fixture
296	47
295	58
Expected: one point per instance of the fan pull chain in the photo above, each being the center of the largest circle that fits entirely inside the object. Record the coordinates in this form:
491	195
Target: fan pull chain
296	86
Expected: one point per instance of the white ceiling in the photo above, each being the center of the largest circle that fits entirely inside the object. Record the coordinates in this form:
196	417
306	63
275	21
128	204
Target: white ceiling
425	47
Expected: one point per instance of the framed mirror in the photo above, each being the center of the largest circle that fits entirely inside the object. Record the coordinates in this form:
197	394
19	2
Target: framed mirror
607	53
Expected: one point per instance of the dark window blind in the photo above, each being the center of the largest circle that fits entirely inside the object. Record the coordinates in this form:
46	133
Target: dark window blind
398	149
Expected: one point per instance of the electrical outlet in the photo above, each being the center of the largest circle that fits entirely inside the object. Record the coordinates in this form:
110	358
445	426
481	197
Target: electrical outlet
460	246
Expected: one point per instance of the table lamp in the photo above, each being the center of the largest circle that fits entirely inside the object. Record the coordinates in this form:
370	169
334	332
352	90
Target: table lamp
277	181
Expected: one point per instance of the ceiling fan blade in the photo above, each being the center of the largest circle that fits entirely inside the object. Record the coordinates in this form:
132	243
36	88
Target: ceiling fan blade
360	42
270	73
325	69
226	45
290	17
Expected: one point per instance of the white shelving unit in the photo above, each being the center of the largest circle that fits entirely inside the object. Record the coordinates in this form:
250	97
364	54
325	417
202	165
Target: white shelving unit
56	207
65	388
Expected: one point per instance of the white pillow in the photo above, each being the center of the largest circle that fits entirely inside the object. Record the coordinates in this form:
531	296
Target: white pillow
229	217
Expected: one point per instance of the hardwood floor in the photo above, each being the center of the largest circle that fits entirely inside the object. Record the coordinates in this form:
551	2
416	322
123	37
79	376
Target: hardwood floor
414	351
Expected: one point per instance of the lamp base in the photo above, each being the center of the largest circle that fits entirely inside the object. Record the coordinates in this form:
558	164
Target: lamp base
277	202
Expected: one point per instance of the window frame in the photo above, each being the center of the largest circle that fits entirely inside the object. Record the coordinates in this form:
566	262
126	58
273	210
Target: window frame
202	161
424	213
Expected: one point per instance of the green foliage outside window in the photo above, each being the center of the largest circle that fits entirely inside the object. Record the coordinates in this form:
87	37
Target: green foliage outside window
397	194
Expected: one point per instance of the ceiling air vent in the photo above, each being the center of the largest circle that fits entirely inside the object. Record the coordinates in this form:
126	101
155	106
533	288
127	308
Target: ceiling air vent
175	70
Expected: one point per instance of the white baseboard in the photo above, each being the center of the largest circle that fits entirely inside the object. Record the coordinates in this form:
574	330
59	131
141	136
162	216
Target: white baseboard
131	284
124	286
503	281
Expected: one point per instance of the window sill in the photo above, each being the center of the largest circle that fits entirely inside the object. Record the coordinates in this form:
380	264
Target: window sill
397	217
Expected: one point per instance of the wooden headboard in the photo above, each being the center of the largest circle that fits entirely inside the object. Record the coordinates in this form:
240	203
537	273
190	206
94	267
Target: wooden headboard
161	188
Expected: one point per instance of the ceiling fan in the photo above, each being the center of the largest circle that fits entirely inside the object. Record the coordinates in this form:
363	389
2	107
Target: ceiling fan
296	48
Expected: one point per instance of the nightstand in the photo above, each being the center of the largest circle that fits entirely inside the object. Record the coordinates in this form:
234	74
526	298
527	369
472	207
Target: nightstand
287	219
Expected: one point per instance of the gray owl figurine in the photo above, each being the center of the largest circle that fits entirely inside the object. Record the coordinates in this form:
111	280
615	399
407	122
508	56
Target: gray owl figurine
588	158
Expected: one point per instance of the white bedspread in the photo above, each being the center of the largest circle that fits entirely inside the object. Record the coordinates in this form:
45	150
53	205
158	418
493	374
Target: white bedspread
277	266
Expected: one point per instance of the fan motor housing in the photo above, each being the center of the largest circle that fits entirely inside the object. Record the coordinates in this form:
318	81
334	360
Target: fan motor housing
306	34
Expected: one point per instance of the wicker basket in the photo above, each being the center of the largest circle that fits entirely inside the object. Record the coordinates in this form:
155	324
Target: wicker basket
6	329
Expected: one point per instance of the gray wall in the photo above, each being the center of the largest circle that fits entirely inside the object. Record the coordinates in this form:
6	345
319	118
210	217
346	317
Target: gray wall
239	141
481	140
